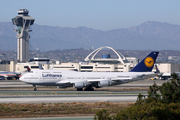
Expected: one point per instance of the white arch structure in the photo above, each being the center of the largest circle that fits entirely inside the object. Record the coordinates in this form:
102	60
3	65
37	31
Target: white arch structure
120	57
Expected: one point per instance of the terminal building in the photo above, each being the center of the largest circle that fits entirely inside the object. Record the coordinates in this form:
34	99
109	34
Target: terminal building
90	64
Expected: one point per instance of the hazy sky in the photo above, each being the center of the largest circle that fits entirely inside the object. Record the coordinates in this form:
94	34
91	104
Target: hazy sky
96	14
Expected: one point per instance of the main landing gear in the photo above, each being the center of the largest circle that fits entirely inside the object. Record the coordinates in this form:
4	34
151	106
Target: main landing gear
79	89
35	89
87	88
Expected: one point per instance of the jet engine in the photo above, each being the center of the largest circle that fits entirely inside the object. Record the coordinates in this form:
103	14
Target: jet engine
104	83
78	85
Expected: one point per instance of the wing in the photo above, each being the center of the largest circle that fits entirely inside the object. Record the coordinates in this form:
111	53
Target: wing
111	79
145	76
120	80
108	82
76	83
63	82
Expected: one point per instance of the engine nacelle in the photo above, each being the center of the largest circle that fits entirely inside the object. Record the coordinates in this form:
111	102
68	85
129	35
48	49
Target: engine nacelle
104	83
78	85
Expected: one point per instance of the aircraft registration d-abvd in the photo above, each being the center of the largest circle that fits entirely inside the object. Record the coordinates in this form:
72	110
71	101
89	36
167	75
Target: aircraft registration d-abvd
88	80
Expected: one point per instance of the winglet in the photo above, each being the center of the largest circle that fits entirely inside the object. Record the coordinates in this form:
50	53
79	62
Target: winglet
146	65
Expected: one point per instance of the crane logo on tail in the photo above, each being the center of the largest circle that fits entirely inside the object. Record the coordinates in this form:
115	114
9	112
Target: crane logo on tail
149	62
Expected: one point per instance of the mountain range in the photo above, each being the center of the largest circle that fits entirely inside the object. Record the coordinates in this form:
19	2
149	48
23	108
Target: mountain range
150	35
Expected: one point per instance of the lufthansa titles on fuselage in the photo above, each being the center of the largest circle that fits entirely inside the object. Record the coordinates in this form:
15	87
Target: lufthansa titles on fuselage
51	75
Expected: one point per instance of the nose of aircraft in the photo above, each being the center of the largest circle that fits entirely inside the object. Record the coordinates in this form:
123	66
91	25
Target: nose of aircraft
21	78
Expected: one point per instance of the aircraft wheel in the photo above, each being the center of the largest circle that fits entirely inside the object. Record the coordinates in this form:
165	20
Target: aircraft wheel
92	89
79	89
89	89
35	89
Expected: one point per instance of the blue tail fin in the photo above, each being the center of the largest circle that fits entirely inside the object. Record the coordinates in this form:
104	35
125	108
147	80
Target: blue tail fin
146	65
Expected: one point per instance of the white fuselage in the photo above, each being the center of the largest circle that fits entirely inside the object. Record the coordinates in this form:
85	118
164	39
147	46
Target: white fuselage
61	77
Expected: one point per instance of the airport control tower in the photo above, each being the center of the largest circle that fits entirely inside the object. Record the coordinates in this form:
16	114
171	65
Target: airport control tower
23	22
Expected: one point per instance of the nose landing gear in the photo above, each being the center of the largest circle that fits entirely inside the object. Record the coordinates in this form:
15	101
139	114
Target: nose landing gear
35	89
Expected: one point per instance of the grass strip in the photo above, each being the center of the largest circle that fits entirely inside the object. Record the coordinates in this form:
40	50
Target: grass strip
13	110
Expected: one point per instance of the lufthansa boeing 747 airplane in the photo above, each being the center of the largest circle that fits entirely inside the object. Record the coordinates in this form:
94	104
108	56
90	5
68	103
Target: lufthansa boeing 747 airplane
88	80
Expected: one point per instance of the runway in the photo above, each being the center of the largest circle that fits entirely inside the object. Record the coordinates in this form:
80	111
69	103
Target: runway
46	96
68	99
15	91
140	83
